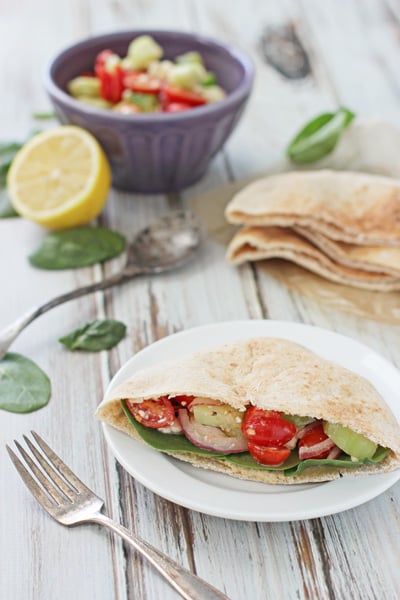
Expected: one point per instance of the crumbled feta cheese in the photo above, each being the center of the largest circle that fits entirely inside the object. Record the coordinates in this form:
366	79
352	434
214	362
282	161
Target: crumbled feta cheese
160	69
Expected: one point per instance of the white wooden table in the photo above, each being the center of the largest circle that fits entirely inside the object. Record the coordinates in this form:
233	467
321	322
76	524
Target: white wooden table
353	51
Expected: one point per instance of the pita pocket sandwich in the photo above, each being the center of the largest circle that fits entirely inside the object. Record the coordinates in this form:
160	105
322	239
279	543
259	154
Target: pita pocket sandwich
262	409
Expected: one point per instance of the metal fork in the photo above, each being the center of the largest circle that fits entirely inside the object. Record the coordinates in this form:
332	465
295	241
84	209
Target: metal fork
70	502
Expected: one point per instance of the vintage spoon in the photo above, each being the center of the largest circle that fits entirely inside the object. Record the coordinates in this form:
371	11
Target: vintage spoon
164	245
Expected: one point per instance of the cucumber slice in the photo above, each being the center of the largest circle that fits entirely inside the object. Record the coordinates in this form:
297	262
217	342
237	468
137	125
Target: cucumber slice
187	75
84	86
189	57
146	102
142	51
297	420
225	417
97	102
212	93
354	444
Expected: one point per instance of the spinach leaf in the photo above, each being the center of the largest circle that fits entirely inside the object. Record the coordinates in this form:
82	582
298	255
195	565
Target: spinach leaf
344	461
6	208
319	137
247	461
96	335
24	387
8	150
79	247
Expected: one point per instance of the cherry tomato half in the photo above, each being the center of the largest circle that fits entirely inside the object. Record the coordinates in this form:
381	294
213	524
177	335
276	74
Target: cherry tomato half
267	427
153	413
314	437
101	60
176	94
111	86
141	82
268	456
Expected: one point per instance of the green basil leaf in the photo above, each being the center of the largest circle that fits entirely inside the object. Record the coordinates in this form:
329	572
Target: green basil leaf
79	247
6	208
343	462
95	336
319	137
24	387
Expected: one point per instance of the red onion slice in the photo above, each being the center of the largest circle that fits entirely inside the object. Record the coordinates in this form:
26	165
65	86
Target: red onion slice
197	401
307	428
291	444
315	450
334	453
210	438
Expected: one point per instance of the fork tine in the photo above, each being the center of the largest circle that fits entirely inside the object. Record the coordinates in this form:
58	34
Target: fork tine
30	483
51	472
65	471
49	487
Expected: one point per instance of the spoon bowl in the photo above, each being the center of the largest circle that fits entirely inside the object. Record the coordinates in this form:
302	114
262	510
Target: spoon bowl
168	243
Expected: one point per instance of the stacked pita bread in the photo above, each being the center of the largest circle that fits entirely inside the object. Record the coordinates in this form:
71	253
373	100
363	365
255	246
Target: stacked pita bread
342	225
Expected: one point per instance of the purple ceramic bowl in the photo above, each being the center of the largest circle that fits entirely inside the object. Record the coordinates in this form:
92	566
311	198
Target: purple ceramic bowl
155	152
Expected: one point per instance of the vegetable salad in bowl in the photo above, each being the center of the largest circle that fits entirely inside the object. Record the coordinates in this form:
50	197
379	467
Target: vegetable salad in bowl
160	103
144	81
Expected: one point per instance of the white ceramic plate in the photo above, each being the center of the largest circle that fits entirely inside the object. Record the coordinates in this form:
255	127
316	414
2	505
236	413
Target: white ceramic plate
224	496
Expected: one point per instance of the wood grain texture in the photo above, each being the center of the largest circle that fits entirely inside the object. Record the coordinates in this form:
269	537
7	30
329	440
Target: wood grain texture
353	54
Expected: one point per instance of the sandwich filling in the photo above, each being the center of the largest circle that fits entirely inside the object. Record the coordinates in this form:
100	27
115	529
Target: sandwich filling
263	409
250	436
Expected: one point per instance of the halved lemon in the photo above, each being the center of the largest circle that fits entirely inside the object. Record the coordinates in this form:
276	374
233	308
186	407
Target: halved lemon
60	178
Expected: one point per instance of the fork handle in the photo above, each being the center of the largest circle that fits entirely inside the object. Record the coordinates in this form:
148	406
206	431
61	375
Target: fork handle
189	586
12	331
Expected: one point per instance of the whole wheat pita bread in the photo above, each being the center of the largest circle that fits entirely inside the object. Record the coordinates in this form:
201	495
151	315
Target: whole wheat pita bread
273	374
261	243
378	259
357	208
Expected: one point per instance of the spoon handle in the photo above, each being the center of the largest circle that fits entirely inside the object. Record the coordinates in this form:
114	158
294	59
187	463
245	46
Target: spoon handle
11	332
